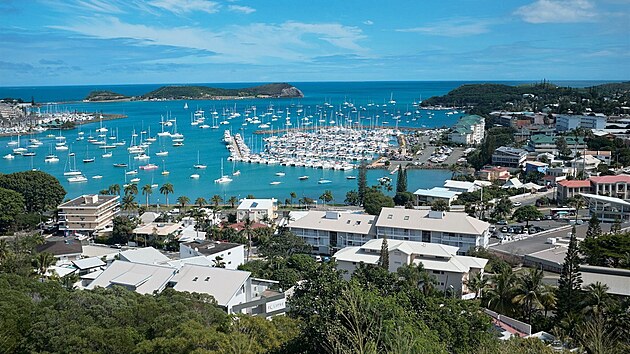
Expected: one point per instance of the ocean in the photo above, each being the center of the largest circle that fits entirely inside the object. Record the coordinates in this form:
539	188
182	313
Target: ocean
370	98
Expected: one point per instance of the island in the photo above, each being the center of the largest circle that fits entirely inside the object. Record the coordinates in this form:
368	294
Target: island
185	92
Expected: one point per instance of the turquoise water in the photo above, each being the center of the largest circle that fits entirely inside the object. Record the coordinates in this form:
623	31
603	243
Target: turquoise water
254	178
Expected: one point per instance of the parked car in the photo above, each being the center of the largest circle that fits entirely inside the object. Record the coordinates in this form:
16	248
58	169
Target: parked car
501	222
517	204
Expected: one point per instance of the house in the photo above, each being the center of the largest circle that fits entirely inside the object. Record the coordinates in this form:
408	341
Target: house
536	166
469	130
234	290
513	183
462	186
567	189
570	122
451	271
602	155
257	210
63	250
428	196
156	229
88	265
494	174
329	231
447	228
88	213
231	255
585	163
508	156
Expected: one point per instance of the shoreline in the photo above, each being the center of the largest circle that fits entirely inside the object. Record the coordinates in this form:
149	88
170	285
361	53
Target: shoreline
106	117
213	98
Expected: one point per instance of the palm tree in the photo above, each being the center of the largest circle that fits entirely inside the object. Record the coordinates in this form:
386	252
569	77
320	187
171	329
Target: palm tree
499	295
326	197
147	191
182	200
528	292
548	298
216	200
578	203
43	261
129	203
114	189
166	189
233	200
293	196
476	283
248	232
597	300
218	262
131	189
200	202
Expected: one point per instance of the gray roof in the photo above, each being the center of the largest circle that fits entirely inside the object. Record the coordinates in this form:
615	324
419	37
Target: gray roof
419	220
347	222
147	255
618	280
89	201
209	248
61	248
221	283
87	263
144	278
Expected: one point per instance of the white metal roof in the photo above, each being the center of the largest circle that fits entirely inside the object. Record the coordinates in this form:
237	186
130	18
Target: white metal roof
221	283
437	192
87	263
606	199
346	222
256	204
145	278
146	255
419	220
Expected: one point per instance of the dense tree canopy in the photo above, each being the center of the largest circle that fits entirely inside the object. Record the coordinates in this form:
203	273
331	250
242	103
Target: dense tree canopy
41	191
11	205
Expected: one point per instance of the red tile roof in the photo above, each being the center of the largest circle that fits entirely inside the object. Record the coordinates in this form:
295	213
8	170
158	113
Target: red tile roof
575	183
611	179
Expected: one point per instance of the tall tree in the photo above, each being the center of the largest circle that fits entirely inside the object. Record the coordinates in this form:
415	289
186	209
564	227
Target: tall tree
383	259
248	233
200	202
131	188
502	209
527	213
327	196
129	203
43	261
182	200
401	182
500	294
41	192
147	191
166	189
362	182
293	196
615	228
232	200
375	200
528	292
594	227
570	282
578	203
11	205
440	205
114	189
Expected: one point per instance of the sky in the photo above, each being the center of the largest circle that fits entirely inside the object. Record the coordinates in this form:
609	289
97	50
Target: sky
85	42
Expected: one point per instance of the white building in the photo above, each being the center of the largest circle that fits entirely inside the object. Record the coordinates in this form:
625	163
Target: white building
469	130
447	228
231	255
506	156
451	271
566	122
257	210
88	213
585	163
329	231
428	196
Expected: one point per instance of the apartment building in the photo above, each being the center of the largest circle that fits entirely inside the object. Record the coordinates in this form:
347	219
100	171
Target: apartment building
88	213
611	186
570	122
546	143
450	271
469	130
257	210
568	189
508	156
231	255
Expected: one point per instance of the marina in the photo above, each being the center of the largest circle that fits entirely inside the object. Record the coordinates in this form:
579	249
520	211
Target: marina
315	138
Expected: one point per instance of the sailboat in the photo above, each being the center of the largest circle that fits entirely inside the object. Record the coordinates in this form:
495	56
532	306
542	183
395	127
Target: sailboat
107	154
237	172
198	165
88	159
69	169
223	178
186	105
51	157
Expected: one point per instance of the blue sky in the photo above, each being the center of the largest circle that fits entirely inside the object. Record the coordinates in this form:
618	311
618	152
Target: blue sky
60	42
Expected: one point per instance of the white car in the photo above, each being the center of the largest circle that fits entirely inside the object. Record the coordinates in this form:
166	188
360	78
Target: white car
517	204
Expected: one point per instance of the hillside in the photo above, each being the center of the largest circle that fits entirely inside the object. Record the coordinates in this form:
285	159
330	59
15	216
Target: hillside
104	95
276	90
484	98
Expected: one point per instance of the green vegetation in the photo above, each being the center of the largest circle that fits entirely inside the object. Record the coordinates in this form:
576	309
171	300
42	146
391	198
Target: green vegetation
204	92
105	95
485	98
495	137
527	213
607	250
41	191
375	200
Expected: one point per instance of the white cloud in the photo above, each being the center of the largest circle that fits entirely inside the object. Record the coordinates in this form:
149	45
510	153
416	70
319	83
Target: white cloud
254	43
185	6
242	9
452	28
558	11
368	22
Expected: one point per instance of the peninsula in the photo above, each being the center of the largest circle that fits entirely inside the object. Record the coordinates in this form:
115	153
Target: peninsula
185	92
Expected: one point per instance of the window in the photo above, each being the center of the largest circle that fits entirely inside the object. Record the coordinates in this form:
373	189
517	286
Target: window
229	253
406	217
390	216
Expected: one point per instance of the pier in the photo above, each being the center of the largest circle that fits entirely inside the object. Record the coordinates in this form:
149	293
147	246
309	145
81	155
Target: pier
354	127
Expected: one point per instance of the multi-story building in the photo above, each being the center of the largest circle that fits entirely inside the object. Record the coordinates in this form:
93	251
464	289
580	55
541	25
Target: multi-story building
451	271
428	196
613	186
469	130
508	156
330	231
565	122
88	213
585	163
568	189
257	210
447	228
494	174
545	143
